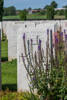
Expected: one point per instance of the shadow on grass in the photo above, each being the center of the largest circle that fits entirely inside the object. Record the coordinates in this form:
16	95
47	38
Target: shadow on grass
11	87
4	59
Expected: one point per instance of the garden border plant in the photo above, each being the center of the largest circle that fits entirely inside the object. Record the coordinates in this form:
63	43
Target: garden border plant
48	76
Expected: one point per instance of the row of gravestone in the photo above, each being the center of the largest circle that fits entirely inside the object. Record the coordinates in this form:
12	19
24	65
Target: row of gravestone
32	29
11	29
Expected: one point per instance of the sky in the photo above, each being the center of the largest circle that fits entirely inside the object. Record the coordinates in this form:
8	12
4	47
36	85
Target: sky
23	4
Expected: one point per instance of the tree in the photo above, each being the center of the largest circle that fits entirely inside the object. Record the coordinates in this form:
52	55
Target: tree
54	4
60	12
46	6
29	8
65	6
42	12
10	11
50	12
23	15
65	13
1	9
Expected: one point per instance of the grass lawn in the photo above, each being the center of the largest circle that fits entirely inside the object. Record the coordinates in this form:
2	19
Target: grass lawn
34	16
38	16
4	50
9	75
9	69
11	17
59	17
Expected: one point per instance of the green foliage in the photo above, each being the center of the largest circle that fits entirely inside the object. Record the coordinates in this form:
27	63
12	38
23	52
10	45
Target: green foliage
50	13
1	9
23	15
4	38
49	78
65	6
54	4
10	11
7	95
46	6
50	10
60	12
50	87
29	8
65	13
43	12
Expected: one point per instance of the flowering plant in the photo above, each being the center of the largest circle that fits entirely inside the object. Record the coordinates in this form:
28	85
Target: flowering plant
47	74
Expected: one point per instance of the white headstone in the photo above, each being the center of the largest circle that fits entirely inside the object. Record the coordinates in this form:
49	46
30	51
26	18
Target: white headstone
12	28
31	33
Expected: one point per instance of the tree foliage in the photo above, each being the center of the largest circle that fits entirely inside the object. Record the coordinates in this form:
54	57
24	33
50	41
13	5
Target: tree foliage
60	12
46	6
23	15
1	9
65	12
50	10
50	13
10	11
65	6
54	4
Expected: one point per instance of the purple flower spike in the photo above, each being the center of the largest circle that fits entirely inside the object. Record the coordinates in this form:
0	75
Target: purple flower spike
61	33
34	78
24	36
39	41
31	40
65	37
64	31
47	31
56	39
39	47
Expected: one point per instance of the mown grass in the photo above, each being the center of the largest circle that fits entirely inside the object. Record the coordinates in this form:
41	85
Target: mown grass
59	17
9	69
11	17
34	16
9	75
4	50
